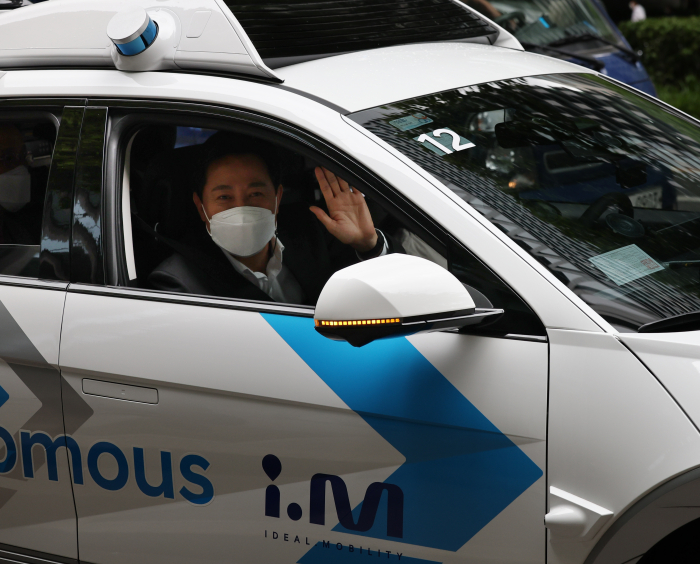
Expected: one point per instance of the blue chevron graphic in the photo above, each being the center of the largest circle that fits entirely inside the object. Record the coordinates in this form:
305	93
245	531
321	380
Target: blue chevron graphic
460	470
4	396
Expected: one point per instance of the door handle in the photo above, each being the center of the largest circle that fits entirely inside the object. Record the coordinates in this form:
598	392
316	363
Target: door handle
120	391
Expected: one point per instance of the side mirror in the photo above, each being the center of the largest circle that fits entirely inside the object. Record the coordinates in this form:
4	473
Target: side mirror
393	296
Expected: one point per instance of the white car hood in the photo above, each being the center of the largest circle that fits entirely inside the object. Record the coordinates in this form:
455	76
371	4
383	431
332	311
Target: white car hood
674	358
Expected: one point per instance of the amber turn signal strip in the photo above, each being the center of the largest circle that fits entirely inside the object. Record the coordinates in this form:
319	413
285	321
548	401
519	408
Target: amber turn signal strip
356	322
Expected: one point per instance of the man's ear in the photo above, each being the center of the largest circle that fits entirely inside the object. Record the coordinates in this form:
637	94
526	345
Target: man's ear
200	207
280	191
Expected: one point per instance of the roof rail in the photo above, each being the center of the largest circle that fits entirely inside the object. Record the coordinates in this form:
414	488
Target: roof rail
206	35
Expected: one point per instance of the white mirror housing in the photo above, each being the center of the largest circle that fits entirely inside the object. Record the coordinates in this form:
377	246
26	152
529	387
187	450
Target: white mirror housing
391	296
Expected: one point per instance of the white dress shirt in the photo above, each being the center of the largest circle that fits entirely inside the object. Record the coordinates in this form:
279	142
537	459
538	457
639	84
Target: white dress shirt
278	282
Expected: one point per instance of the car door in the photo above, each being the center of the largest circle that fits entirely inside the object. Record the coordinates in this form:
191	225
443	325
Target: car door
219	423
37	514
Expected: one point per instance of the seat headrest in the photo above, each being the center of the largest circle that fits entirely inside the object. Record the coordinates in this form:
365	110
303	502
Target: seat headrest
167	192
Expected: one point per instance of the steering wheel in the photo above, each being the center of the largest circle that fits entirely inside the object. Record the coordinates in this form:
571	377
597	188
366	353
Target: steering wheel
611	199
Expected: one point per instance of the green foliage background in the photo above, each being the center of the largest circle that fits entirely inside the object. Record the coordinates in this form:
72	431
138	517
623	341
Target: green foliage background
671	49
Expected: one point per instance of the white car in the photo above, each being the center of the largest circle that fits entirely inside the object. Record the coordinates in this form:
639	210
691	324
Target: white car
504	367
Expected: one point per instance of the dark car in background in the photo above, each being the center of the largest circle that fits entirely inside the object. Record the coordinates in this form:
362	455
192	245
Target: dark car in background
580	31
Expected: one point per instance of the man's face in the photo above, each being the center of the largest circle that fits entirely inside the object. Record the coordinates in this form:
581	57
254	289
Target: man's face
10	148
234	181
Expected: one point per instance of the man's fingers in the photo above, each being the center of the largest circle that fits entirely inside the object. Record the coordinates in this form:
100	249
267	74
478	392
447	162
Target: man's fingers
333	186
359	196
323	183
344	186
332	180
322	216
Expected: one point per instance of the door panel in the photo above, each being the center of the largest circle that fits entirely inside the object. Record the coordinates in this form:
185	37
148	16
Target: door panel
36	500
256	414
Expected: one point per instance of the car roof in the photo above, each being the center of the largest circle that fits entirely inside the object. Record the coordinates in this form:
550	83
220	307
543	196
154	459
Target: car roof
357	81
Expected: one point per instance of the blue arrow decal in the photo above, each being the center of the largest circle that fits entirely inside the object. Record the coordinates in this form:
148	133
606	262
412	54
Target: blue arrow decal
460	470
4	396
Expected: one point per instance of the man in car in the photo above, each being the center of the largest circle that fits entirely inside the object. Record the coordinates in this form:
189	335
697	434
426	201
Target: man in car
246	249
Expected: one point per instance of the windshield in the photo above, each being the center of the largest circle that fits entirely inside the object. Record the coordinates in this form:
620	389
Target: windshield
600	185
543	22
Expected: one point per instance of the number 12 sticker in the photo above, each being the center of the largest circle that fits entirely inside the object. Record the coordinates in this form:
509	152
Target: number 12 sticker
444	141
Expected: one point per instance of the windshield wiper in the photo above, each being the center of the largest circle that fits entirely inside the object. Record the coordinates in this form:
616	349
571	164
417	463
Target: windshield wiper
568	40
683	322
595	63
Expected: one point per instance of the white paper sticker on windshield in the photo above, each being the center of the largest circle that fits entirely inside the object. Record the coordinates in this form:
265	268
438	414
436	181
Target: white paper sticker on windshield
410	122
626	264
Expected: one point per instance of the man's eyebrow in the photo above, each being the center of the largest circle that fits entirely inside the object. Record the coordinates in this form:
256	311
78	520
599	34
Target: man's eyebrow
253	184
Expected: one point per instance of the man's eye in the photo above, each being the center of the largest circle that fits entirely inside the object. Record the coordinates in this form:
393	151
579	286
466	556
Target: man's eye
256	194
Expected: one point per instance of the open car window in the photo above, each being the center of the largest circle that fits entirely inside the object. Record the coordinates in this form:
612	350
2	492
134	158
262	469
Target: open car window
163	165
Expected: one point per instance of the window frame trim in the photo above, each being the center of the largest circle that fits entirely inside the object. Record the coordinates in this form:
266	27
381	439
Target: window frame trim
162	296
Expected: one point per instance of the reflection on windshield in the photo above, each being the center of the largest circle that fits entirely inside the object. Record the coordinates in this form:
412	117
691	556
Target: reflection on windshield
600	185
544	22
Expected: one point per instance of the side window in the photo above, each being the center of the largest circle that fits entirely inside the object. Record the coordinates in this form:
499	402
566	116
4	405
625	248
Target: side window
229	214
222	213
26	146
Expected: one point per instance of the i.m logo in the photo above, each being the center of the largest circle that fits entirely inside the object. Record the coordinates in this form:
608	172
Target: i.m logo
317	501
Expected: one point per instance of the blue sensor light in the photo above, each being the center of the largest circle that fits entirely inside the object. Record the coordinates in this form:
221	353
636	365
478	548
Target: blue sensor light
141	43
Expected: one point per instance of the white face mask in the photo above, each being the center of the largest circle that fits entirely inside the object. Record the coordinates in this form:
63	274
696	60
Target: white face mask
15	189
242	231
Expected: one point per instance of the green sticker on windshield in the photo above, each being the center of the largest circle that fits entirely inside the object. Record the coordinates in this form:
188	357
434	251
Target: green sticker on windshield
410	122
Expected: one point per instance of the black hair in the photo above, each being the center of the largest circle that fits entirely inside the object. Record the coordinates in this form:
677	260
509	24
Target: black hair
225	143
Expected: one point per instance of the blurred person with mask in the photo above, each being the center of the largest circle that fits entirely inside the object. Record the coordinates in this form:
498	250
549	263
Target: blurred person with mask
639	14
15	187
239	251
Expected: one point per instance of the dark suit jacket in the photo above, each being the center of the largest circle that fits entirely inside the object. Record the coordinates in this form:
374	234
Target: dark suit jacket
310	253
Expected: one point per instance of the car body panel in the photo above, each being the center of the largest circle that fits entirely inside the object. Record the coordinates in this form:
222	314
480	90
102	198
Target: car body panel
235	409
36	497
603	444
675	360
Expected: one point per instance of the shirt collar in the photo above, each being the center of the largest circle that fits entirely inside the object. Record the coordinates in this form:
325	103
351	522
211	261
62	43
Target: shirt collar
274	265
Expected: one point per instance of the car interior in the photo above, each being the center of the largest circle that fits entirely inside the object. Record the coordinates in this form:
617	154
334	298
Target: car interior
22	194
